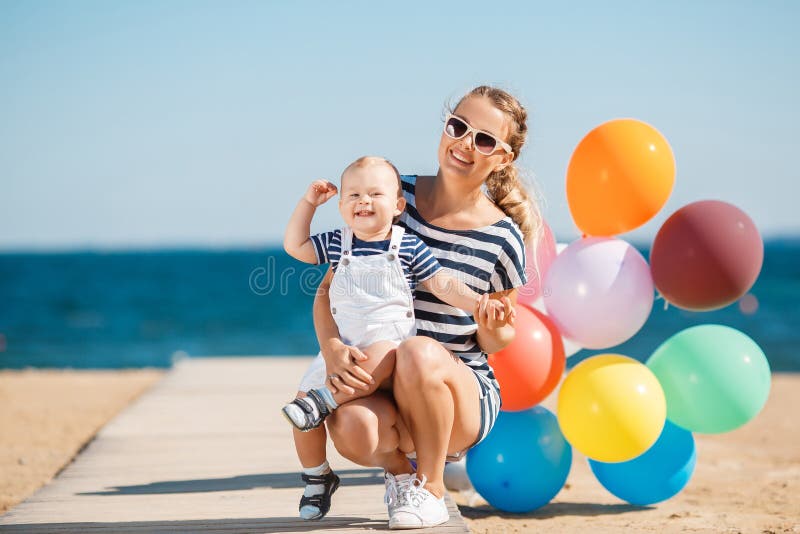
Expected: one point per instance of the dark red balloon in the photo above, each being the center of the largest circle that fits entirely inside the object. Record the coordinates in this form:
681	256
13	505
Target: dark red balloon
706	255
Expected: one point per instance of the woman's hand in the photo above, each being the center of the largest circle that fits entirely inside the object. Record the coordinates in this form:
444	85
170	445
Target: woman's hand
344	372
492	314
495	329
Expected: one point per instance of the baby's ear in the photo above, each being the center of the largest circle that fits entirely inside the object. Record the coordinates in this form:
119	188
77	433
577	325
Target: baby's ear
401	205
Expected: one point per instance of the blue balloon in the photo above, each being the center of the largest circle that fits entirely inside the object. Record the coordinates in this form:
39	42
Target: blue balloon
657	474
523	462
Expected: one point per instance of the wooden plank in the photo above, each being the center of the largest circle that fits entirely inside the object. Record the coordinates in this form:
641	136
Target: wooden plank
206	450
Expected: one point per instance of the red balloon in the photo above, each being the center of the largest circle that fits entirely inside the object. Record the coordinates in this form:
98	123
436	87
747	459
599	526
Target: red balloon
536	265
532	365
706	256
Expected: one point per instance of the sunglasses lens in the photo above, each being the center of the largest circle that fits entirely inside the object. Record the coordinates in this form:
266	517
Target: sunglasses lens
455	128
485	143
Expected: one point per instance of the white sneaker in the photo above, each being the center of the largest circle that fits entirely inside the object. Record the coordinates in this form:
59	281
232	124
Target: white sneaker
416	507
390	481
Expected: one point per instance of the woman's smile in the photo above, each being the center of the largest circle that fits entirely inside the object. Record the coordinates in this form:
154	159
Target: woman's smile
460	157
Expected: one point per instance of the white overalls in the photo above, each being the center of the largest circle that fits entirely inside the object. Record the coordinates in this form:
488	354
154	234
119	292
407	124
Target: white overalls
370	301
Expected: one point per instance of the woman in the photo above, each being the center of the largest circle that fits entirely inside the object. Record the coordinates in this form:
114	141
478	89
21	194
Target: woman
445	396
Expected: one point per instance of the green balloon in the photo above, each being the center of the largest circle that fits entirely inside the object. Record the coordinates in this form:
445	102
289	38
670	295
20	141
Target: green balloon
715	378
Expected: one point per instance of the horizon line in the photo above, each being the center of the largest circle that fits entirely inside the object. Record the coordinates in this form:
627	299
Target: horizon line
773	238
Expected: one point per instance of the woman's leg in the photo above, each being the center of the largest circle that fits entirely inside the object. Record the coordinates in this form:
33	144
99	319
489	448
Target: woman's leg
440	396
379	364
322	400
439	400
369	432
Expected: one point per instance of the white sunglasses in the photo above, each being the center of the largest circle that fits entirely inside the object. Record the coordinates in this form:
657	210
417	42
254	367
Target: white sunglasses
485	143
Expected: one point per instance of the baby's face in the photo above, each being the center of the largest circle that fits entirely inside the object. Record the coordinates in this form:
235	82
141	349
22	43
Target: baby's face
369	199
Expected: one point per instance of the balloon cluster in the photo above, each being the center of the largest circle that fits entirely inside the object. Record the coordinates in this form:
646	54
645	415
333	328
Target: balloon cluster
633	421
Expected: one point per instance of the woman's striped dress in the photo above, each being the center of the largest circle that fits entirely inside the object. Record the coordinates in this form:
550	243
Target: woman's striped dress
488	259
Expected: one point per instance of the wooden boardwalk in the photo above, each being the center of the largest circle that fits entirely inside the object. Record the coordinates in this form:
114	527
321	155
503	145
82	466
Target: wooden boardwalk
205	450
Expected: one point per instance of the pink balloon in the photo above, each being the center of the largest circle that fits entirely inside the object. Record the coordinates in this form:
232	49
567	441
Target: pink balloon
599	292
536	267
571	348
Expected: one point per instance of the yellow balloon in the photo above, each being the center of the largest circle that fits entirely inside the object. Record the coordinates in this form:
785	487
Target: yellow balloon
611	408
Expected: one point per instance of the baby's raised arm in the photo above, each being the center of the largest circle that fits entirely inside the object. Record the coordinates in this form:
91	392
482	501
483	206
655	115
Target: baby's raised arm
453	291
296	240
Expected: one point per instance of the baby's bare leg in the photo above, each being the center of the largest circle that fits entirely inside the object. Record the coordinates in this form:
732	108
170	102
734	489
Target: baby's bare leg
320	480
379	364
310	446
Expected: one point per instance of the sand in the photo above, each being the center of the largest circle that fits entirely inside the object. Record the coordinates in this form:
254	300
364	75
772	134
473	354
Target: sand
746	481
47	416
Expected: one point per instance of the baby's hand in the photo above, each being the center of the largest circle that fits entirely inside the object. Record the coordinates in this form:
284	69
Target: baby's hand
494	313
319	192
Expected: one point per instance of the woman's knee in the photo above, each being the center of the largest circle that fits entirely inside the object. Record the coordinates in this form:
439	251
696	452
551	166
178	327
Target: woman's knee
355	430
420	360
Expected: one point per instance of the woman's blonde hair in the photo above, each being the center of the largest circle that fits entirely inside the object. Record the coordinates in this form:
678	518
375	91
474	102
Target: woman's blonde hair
505	186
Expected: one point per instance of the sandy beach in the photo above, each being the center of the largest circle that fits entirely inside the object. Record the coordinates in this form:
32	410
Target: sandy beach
746	481
47	416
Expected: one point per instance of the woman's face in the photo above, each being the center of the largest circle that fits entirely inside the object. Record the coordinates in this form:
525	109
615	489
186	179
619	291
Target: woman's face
458	156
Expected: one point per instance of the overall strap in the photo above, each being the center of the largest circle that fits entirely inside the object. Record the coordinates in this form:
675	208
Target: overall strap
396	240
347	240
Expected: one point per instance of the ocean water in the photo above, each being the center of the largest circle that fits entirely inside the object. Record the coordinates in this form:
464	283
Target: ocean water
137	309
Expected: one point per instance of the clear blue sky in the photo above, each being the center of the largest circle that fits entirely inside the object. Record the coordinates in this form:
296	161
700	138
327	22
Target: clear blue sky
194	123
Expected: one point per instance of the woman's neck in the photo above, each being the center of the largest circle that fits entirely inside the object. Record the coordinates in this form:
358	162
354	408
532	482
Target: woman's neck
450	196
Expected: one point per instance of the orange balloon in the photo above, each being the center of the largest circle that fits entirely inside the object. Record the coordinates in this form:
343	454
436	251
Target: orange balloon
619	176
531	366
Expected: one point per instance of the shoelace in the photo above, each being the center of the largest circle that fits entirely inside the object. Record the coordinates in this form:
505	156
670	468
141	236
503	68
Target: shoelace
408	491
390	496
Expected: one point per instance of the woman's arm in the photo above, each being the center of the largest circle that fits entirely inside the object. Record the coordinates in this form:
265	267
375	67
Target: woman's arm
495	334
324	325
340	359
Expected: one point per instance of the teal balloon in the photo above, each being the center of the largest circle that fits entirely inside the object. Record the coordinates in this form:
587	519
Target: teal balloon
715	378
657	474
523	462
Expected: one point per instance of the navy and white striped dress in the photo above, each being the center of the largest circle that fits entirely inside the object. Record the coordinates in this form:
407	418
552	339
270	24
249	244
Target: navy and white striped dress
488	259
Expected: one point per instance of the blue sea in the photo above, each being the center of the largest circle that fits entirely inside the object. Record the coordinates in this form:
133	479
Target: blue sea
144	309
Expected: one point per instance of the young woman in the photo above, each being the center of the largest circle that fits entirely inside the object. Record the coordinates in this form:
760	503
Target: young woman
474	215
